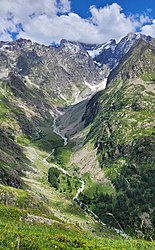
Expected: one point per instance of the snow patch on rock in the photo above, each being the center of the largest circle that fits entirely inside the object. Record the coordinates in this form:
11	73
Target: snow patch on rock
97	87
95	52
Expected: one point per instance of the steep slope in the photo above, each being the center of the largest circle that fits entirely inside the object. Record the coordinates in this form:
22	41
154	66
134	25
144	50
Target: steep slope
36	82
123	132
141	60
26	113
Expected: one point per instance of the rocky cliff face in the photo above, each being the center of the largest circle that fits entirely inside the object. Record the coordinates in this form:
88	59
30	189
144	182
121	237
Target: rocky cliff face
109	54
60	72
66	72
138	60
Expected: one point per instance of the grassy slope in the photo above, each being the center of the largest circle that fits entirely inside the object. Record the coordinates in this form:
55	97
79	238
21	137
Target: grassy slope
23	114
17	233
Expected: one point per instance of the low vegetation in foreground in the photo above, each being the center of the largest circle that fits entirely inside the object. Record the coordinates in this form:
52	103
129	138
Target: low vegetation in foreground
18	231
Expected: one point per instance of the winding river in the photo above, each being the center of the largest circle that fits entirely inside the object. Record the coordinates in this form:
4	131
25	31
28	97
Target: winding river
57	131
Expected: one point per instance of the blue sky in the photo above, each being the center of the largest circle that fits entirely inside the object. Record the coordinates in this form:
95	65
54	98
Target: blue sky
47	21
129	6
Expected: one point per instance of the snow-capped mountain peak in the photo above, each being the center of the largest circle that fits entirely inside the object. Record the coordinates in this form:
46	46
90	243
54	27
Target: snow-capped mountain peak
109	54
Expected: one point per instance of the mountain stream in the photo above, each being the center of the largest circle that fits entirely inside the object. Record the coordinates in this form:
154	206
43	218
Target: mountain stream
57	131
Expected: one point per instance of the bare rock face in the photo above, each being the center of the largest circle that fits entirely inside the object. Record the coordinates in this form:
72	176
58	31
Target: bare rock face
108	55
64	72
60	72
137	61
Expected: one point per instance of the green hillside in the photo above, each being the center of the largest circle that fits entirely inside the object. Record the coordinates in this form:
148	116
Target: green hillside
124	133
19	230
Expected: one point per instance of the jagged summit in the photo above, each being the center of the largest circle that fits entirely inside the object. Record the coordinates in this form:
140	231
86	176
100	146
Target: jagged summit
121	48
107	55
72	47
65	69
98	49
71	68
136	61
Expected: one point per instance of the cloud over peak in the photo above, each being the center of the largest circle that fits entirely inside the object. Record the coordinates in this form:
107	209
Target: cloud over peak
51	20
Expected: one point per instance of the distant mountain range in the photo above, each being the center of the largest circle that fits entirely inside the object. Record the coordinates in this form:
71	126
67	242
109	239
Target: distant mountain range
108	55
69	69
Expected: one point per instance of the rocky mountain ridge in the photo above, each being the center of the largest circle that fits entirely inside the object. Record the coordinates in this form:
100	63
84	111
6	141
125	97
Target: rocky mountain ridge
60	72
109	54
69	69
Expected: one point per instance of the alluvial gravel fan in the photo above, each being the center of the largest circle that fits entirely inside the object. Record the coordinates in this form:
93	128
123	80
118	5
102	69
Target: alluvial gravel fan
77	158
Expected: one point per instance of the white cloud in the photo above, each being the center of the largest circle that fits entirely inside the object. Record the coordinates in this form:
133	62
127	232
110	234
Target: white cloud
111	21
71	27
45	21
149	29
22	9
